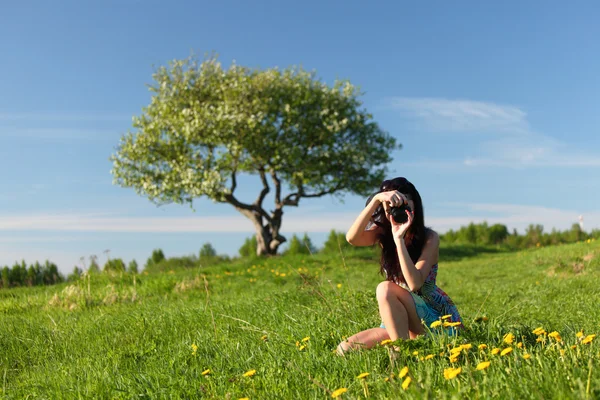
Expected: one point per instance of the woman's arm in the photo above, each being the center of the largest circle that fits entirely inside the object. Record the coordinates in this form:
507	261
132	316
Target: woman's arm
357	235
415	274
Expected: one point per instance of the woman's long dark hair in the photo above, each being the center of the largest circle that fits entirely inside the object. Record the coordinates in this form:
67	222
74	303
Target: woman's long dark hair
414	237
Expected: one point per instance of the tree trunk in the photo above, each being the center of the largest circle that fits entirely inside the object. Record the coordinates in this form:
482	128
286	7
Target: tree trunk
268	238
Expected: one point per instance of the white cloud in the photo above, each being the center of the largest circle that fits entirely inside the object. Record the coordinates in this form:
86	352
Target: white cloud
103	223
461	115
506	139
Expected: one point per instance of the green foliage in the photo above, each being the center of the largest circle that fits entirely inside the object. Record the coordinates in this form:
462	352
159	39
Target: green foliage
248	249
94	267
156	257
174	263
207	251
115	265
300	246
482	234
34	275
75	275
336	242
132	268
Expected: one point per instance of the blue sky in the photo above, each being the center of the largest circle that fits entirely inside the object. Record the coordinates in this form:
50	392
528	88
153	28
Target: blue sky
495	105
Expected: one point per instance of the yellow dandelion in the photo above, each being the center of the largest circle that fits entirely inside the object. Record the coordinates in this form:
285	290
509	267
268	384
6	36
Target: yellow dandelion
467	346
453	359
506	351
555	335
306	339
338	392
579	334
194	349
243	398
509	338
385	342
406	382
451	373
520	345
482	318
495	351
297	343
363	375
302	347
339	285
445	317
540	339
282	275
574	346
527	356
250	373
588	339
205	372
483	365
415	353
263	337
539	331
386	379
435	324
429	357
447	324
403	372
482	346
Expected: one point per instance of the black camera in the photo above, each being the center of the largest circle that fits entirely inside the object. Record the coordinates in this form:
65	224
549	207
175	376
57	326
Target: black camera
399	213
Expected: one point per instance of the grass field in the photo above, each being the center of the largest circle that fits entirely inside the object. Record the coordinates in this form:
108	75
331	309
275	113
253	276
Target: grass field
197	333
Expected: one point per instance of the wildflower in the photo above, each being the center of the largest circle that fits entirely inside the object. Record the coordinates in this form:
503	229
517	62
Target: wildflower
415	353
339	285
338	392
306	339
302	347
482	346
540	339
588	339
506	351
574	346
451	324
509	338
539	331
520	345
480	319
445	317
282	275
406	382
205	372
555	335
579	334
483	365
363	375
429	357
385	342
435	324
527	356
250	373
263	337
467	346
386	379
451	373
453	359
194	349
243	398
495	351
403	372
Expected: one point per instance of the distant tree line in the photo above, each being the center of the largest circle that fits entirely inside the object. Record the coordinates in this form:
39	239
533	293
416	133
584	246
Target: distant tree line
33	275
498	234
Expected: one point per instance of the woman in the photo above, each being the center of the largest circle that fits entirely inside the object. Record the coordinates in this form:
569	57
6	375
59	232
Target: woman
409	257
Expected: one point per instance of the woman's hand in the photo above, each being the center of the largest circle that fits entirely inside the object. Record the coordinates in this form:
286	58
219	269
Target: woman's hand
399	230
392	198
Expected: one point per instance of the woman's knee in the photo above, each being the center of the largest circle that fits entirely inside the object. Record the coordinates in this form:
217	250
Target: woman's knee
387	290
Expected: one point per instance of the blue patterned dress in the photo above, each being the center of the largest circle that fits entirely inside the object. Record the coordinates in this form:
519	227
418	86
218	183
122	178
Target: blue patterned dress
431	302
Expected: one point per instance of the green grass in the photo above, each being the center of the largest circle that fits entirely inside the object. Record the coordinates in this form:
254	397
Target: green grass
109	338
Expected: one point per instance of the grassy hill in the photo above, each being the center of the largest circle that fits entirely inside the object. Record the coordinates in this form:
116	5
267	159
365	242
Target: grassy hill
154	335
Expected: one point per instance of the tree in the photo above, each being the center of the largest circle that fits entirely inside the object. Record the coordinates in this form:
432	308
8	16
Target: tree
248	249
336	241
156	257
207	125
114	265
133	267
207	251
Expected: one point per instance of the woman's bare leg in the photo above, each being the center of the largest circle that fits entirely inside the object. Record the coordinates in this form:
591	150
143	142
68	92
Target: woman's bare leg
398	311
363	340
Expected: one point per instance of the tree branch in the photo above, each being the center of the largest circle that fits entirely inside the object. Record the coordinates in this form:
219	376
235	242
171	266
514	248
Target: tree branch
265	190
277	187
233	182
292	199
